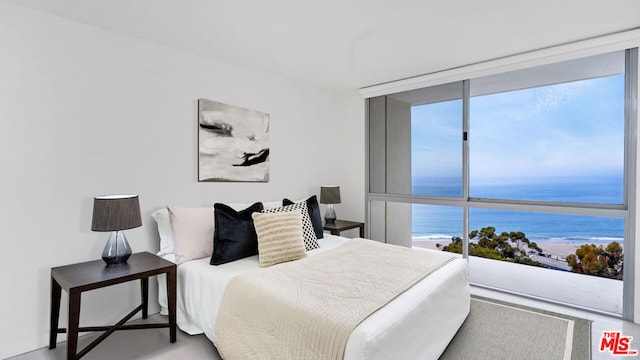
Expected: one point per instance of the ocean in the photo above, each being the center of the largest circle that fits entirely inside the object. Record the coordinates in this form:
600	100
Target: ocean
432	222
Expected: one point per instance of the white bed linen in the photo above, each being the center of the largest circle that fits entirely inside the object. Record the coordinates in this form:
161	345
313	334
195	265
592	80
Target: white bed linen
417	324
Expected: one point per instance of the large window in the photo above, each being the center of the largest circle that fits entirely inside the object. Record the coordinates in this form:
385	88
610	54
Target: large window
526	167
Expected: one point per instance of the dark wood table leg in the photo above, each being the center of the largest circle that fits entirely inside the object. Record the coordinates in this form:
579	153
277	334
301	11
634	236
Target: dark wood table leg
171	300
362	231
335	232
55	313
144	291
74	320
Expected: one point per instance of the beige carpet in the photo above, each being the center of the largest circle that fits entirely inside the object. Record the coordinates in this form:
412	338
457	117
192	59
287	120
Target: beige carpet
498	330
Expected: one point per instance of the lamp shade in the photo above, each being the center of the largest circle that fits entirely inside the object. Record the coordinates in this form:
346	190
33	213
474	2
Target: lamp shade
330	194
115	212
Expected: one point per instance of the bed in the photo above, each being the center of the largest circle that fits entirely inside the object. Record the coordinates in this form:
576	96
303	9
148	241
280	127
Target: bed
419	323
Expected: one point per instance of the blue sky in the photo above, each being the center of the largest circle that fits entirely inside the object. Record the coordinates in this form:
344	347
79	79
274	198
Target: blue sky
569	129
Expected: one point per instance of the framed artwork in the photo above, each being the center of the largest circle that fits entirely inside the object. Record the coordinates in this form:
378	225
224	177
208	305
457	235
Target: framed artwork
233	143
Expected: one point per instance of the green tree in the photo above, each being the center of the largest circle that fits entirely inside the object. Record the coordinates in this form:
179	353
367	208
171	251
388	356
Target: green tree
506	246
592	259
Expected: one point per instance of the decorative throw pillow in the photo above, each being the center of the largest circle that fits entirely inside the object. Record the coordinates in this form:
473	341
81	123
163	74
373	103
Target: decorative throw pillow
310	239
234	236
192	232
314	214
280	237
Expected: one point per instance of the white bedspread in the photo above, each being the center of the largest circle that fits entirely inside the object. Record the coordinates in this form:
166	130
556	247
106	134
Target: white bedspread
417	324
307	309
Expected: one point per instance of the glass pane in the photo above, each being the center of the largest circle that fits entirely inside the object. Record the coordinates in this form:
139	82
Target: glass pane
548	138
415	142
436	149
434	225
554	256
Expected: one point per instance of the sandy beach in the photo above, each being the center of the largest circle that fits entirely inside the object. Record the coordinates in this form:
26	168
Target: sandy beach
555	249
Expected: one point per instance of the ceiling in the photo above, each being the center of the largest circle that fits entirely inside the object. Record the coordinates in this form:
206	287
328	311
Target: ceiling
349	44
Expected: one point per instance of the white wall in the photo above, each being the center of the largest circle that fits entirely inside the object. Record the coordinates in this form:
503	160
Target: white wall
85	112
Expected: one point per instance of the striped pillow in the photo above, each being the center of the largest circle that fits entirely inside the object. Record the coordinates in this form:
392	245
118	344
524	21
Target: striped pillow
280	237
308	232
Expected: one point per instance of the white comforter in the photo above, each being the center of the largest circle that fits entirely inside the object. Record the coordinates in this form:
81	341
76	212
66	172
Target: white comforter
307	309
417	324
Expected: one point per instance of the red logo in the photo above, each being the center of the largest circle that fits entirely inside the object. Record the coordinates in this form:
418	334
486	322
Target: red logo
617	344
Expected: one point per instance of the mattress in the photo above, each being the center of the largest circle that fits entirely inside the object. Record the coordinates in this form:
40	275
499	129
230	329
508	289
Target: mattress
417	324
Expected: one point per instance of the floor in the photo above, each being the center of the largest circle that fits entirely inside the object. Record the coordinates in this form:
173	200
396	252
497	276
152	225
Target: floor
144	345
600	323
154	344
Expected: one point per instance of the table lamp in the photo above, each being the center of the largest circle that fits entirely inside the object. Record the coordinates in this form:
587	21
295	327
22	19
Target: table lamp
330	195
116	213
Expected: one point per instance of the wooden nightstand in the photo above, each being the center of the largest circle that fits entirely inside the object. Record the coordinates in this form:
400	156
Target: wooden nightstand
341	225
77	278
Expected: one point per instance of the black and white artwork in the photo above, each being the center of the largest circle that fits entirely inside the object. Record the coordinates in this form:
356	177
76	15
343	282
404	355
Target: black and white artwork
233	143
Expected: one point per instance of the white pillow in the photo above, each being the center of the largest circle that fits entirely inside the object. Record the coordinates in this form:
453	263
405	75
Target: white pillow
266	205
161	216
280	237
192	232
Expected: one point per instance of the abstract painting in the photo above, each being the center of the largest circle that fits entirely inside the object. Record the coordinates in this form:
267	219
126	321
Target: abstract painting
233	143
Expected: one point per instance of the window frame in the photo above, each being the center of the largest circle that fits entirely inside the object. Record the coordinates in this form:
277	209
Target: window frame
626	211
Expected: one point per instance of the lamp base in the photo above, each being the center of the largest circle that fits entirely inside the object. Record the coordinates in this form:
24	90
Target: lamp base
117	249
330	214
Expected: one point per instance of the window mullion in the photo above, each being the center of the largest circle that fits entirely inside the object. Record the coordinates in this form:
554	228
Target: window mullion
630	192
465	166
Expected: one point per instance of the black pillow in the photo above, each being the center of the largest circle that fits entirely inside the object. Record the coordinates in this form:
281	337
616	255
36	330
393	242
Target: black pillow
314	214
234	236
